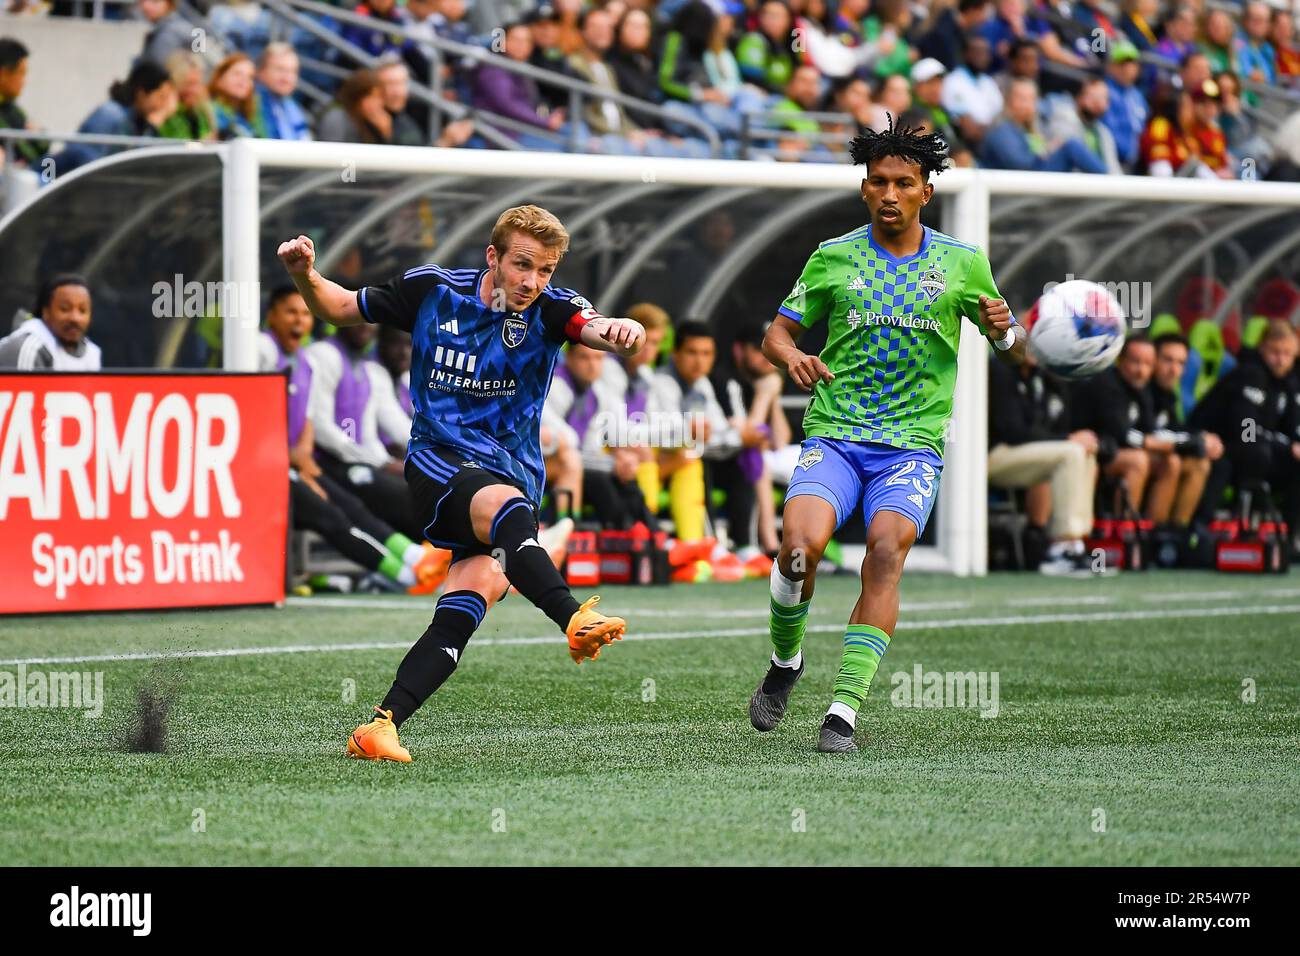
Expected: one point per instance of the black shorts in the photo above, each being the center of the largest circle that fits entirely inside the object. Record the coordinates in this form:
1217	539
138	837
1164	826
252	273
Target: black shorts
442	486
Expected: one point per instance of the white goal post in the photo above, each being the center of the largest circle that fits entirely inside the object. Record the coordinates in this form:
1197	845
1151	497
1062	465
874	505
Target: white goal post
962	519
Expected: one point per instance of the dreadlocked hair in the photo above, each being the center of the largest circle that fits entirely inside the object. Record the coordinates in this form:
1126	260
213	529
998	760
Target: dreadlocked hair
927	150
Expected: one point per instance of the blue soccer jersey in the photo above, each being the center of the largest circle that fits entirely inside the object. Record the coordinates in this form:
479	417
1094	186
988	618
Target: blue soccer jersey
479	378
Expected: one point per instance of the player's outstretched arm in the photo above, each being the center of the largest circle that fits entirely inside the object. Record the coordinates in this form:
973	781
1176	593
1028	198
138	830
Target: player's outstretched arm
779	345
327	300
620	336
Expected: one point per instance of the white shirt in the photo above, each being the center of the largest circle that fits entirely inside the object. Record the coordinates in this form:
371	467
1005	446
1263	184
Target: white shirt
965	94
382	411
37	348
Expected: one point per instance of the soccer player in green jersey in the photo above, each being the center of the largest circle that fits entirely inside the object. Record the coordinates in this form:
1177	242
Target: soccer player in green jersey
893	293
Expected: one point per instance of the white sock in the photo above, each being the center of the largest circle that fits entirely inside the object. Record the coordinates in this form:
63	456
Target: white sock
406	576
795	662
784	591
843	711
413	554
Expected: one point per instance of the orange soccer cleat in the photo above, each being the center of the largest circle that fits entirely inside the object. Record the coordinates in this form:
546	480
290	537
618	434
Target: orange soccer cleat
589	631
378	740
430	570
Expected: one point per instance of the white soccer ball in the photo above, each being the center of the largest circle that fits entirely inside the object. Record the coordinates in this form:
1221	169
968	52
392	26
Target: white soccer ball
1078	329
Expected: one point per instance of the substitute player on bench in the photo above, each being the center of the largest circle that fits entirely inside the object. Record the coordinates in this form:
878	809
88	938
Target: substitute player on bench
484	345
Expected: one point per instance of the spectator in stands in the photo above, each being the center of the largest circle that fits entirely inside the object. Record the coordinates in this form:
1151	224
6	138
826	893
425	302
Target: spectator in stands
1193	451
685	389
1127	112
1255	408
317	502
581	410
852	95
802	95
886	29
970	95
1011	26
194	117
516	96
169	31
277	80
137	106
1138	23
1179	39
1286	56
1024	60
1255	57
395	91
631	59
358	113
352	402
826	45
1167	145
548	53
54	337
380	38
1080	117
13	77
1218	42
1240	132
945	39
1017	143
683	77
233	89
749	388
1032	446
893	99
244	25
1089	15
764	54
589	63
927	91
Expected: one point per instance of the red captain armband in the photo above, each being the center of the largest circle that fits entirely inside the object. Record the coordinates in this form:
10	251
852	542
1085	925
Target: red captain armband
573	328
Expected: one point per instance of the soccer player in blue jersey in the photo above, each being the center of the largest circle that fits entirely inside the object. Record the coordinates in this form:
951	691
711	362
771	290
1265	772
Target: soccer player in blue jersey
484	345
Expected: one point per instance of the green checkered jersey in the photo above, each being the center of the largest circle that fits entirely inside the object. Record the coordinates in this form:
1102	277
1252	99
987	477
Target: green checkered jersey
892	341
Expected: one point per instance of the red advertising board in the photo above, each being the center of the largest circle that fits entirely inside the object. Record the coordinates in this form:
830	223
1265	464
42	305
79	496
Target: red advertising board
141	490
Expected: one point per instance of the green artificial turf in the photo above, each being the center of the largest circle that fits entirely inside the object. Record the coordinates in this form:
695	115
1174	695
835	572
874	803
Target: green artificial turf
1120	697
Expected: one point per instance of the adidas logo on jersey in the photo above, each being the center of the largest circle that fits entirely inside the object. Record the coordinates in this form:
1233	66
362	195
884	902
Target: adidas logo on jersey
451	326
858	284
452	358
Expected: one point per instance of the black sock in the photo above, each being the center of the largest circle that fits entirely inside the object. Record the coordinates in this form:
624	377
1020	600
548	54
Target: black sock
436	654
527	565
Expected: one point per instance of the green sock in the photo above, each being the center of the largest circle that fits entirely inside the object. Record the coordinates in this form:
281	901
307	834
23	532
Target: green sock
786	625
390	566
864	646
398	545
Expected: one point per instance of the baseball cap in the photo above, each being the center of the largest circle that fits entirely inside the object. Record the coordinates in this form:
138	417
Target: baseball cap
1123	51
927	69
1209	90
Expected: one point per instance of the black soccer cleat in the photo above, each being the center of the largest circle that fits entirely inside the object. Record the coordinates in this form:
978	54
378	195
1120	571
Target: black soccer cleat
767	706
836	736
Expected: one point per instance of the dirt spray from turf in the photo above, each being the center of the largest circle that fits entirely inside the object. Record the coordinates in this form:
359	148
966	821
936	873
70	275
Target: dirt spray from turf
147	726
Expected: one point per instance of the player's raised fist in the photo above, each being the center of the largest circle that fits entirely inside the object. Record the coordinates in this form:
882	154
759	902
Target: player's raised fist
625	336
808	370
298	255
995	315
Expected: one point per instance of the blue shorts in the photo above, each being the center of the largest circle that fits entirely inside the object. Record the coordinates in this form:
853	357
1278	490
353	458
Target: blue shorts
879	477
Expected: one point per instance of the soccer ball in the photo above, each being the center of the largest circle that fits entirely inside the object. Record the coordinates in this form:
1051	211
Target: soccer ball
1077	329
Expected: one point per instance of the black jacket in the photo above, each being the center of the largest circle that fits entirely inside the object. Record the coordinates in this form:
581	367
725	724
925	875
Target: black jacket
1025	407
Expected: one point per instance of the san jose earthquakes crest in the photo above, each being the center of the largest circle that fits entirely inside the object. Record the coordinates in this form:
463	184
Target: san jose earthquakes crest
932	284
513	331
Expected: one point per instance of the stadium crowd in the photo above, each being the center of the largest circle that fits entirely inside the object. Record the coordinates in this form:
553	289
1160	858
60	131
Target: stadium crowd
1142	86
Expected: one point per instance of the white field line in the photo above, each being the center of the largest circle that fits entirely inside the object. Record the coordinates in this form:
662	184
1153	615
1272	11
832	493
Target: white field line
1087	617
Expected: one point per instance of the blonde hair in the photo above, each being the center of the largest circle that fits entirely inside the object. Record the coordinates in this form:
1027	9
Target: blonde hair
1279	330
533	220
649	315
